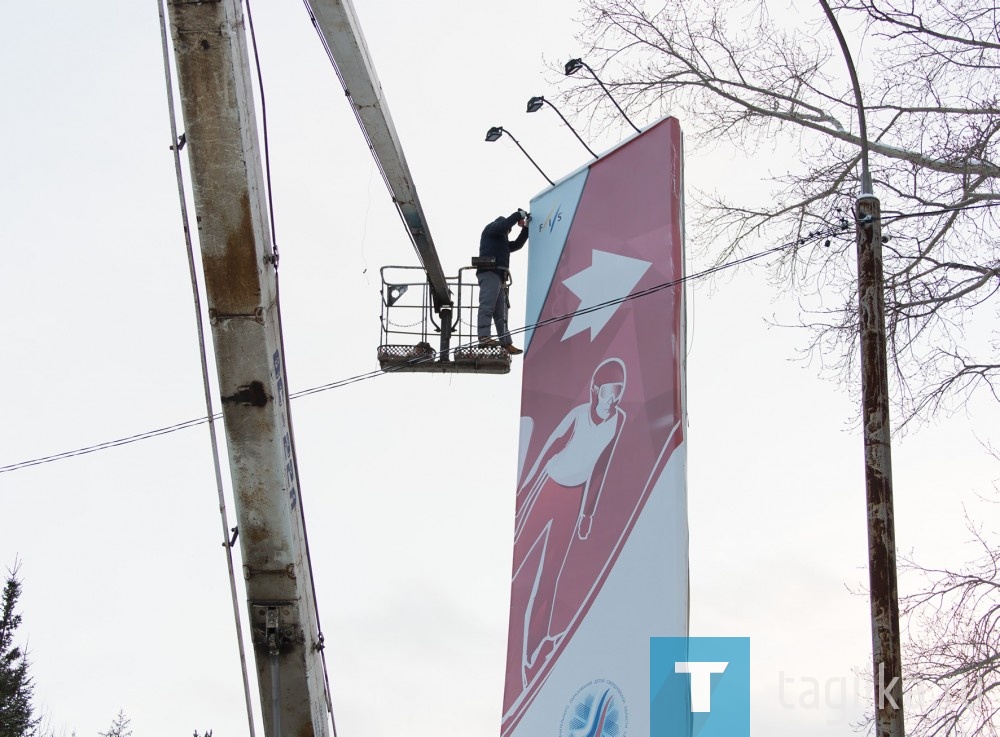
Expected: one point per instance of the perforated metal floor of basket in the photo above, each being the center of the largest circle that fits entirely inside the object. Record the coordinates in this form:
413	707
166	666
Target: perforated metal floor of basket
421	358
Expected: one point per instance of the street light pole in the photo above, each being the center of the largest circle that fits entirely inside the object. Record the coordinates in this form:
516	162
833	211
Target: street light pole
887	665
886	656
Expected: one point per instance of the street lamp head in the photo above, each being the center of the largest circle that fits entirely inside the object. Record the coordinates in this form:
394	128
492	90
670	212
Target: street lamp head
535	104
494	133
575	65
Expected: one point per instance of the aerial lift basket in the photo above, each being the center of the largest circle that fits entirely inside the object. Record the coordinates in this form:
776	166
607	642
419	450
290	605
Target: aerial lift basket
418	337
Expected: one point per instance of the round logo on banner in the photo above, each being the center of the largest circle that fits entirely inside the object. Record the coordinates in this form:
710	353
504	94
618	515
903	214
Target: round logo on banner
597	709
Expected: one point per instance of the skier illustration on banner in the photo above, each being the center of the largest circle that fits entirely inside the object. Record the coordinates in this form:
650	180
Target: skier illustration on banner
557	502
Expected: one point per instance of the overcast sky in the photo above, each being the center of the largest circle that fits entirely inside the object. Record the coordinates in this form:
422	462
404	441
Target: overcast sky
126	601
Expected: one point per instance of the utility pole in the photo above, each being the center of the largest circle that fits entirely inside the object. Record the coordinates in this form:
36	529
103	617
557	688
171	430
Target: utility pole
887	661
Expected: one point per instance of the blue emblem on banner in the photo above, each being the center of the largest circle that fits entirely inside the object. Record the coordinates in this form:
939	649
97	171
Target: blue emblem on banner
596	710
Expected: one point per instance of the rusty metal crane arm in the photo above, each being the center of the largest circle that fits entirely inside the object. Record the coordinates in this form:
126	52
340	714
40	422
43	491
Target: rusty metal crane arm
212	61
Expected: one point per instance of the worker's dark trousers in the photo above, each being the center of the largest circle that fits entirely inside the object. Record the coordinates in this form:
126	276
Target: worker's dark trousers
492	307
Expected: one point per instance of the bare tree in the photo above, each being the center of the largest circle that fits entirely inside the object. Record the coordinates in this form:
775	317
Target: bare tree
953	645
734	73
951	668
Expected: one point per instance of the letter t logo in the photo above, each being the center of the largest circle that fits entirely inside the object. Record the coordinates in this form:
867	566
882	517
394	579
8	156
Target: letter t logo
701	682
685	698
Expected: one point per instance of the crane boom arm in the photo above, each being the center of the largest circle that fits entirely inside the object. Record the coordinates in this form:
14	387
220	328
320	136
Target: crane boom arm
337	25
212	62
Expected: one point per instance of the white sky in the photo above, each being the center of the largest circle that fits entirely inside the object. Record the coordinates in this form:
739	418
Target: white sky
407	480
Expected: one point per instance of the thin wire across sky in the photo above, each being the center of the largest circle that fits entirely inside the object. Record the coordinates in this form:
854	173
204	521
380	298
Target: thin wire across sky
792	245
832	232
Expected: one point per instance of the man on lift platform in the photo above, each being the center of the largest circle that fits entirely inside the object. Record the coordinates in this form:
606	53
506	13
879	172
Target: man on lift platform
495	244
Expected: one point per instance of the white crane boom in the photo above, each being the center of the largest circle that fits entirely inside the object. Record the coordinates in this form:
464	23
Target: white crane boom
338	26
210	49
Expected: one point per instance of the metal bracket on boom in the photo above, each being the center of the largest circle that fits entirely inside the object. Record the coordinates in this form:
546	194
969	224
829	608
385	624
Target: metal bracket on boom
394	292
288	570
272	630
274	626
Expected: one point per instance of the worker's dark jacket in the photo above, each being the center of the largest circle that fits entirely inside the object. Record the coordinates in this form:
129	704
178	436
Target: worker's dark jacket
494	241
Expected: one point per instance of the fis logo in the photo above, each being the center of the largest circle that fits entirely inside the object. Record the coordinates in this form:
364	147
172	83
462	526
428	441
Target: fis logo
549	223
699	685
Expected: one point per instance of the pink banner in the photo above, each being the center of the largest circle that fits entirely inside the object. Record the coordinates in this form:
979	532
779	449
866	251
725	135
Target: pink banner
602	417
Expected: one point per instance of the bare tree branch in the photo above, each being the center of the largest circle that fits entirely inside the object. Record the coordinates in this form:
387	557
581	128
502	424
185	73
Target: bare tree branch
933	104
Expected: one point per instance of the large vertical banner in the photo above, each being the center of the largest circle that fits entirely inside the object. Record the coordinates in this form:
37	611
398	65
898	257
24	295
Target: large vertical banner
600	535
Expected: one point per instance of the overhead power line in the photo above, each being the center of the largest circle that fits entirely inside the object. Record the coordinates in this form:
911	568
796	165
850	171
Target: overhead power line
108	444
381	372
795	244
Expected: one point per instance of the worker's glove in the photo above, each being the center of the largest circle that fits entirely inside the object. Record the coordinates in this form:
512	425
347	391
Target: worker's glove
523	213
